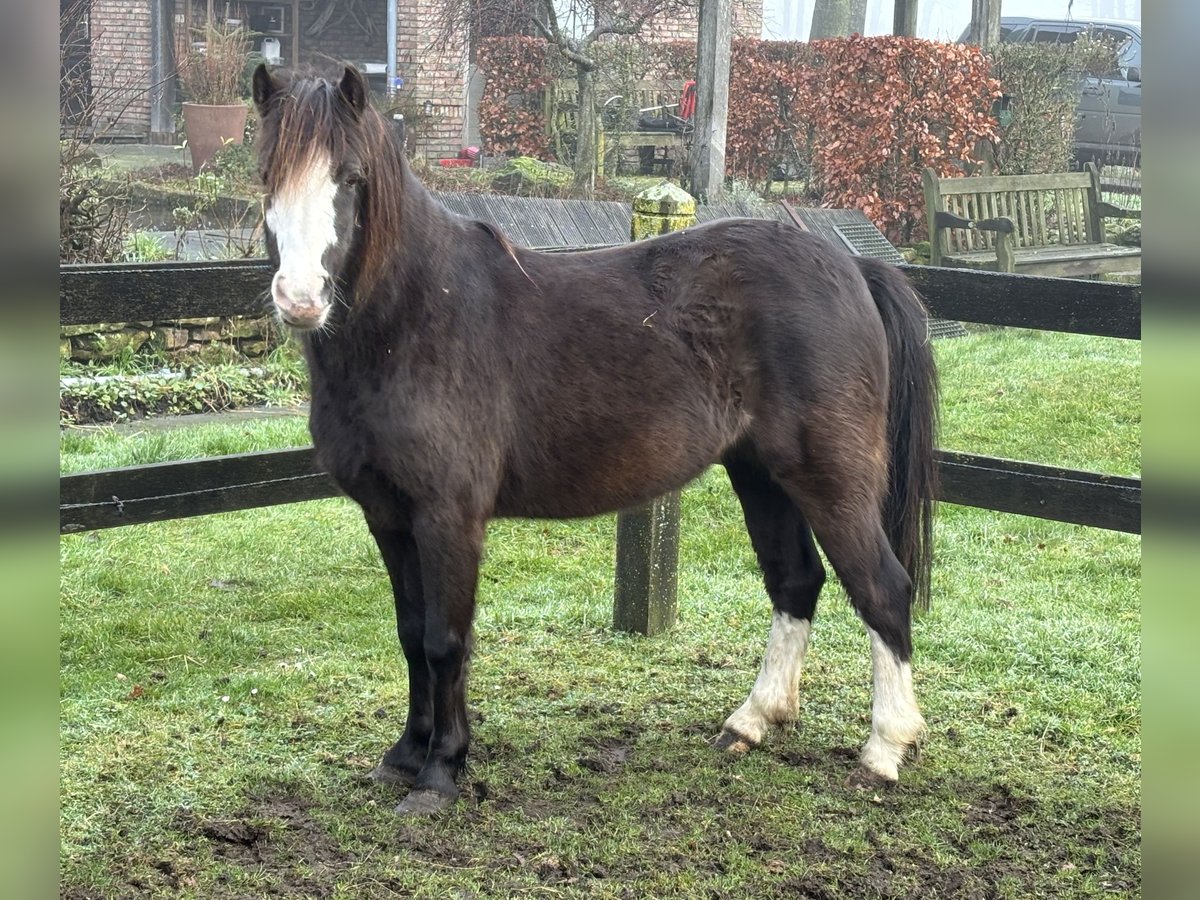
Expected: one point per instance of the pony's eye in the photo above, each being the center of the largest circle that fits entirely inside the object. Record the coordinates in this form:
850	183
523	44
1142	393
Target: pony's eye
354	179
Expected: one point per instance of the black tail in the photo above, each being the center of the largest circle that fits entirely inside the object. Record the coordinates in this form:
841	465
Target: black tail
912	421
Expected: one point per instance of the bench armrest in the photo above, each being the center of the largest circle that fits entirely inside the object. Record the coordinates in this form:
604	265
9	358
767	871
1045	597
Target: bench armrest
1108	210
1001	225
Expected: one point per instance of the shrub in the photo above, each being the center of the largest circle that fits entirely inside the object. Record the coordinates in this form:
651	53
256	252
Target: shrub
770	123
238	164
511	114
216	72
528	177
860	117
93	210
142	246
1042	82
884	109
89	397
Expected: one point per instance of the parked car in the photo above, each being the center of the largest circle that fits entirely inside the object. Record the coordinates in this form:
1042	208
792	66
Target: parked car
1109	115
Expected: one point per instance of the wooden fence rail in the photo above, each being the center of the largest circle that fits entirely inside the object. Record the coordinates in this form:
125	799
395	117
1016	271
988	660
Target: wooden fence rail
140	291
148	493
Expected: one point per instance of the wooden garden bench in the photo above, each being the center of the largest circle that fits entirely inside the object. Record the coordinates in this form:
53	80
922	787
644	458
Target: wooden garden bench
660	98
1030	224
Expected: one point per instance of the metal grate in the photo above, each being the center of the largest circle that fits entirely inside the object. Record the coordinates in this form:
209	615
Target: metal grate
864	239
946	328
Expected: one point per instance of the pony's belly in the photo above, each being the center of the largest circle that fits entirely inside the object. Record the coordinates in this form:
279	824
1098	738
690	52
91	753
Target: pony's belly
566	504
591	484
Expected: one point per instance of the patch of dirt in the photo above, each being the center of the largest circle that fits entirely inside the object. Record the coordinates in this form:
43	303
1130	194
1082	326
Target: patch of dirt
537	810
235	840
608	757
998	808
885	877
276	835
277	839
838	756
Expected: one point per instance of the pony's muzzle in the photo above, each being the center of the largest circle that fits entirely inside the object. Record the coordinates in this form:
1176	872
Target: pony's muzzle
300	306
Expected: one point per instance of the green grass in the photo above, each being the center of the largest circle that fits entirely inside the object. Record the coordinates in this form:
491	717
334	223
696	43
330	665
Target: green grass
226	680
1051	398
100	447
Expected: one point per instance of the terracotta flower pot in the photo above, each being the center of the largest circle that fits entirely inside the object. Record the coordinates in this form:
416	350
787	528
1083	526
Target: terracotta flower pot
209	128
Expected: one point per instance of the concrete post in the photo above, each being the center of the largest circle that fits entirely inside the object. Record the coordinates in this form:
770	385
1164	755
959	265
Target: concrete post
985	23
645	596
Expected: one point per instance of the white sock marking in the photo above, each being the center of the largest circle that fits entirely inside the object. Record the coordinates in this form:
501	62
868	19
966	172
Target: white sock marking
896	721
775	697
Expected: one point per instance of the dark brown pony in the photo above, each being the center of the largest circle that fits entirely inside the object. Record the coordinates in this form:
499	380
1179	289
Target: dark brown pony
456	378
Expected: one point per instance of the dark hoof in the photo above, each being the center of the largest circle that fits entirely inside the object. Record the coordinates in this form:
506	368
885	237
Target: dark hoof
423	803
862	779
385	774
732	742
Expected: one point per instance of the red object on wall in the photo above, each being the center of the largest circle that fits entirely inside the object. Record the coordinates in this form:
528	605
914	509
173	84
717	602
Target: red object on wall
687	100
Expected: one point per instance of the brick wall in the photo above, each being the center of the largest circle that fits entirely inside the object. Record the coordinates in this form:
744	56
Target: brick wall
432	72
747	20
120	34
747	23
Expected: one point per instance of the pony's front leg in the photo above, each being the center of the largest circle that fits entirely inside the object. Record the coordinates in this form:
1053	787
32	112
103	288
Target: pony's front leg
403	761
449	548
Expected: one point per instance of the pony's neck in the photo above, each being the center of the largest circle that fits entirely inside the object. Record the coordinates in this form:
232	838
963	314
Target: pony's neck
419	242
389	219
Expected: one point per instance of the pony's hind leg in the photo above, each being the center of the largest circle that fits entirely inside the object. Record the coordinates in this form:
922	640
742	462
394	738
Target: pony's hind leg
840	492
840	487
881	592
403	761
793	574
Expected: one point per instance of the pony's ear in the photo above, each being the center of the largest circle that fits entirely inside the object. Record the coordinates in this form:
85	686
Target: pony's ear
354	89
263	87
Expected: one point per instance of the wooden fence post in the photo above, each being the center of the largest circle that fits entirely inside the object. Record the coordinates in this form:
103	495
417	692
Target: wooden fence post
711	119
644	599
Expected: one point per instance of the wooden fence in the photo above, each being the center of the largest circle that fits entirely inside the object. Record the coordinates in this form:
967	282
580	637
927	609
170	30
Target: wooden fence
149	493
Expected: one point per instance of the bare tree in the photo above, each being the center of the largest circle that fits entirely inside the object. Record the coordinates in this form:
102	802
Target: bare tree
837	18
574	28
904	18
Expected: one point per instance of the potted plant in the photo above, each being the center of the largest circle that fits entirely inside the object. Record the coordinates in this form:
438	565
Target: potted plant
212	77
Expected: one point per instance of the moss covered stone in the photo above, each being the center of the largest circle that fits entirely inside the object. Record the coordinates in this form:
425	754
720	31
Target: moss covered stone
661	209
108	345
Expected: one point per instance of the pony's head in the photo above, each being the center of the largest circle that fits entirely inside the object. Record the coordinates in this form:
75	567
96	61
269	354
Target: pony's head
333	177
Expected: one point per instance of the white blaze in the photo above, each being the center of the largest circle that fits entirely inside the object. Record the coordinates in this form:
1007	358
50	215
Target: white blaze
302	219
775	697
